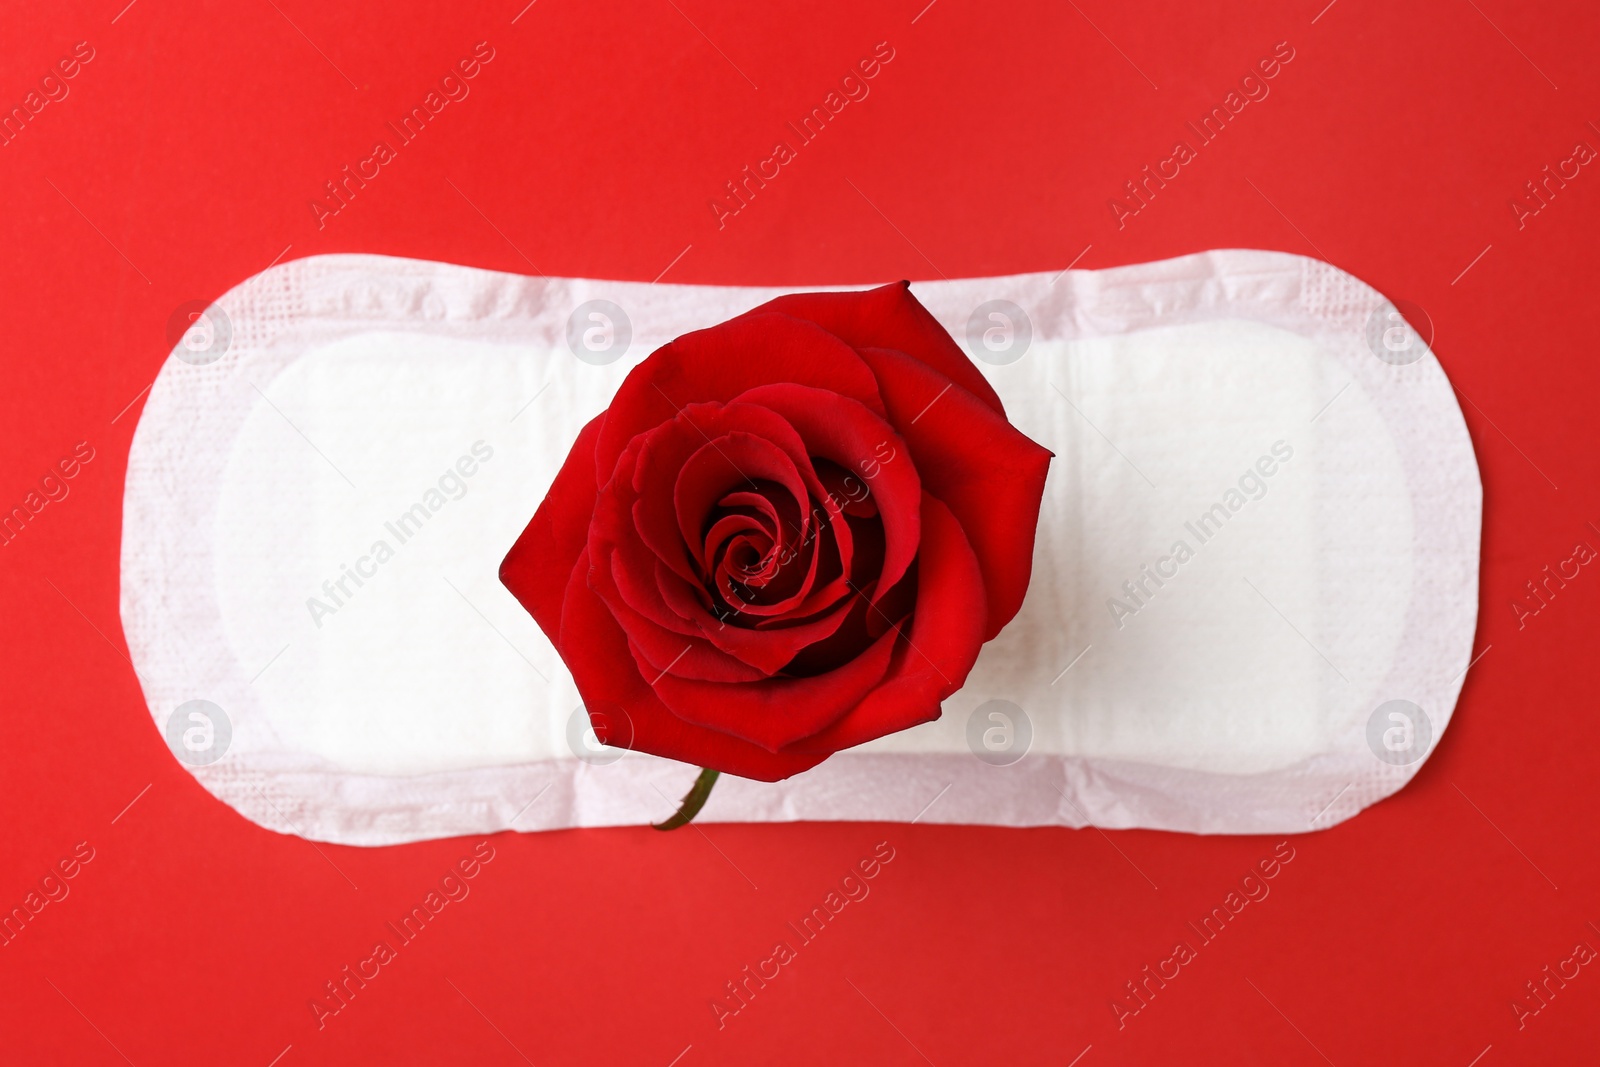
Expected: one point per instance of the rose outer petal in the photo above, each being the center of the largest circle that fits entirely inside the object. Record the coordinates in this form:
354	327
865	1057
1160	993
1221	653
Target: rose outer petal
889	317
778	711
934	659
720	363
989	474
606	675
538	566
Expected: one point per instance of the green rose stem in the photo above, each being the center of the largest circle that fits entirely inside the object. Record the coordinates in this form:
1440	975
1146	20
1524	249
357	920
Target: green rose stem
693	801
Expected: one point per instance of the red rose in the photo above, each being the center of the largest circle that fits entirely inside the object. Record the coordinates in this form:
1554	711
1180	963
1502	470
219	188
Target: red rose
789	534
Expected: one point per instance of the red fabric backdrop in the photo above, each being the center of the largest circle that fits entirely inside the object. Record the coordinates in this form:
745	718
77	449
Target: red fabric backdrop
184	157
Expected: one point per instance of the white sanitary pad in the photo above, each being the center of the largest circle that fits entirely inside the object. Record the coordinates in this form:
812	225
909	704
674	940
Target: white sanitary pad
334	461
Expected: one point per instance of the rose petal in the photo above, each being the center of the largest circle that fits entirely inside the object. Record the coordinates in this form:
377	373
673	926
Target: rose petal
606	675
889	317
844	431
538	566
625	575
664	640
989	474
719	363
768	649
663	451
934	660
726	463
779	711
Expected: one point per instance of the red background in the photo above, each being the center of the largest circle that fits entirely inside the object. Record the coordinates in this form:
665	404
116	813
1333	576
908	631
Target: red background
183	161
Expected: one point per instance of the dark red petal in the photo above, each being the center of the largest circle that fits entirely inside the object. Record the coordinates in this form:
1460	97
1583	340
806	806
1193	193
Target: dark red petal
767	649
719	363
846	432
658	608
660	611
662	453
596	652
777	711
782	587
538	565
653	604
889	317
625	574
982	467
749	513
725	465
934	659
663	640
